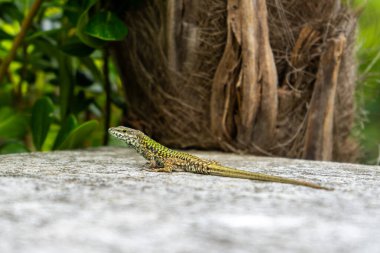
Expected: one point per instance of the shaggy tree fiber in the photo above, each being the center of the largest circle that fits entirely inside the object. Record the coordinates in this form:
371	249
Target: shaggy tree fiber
265	77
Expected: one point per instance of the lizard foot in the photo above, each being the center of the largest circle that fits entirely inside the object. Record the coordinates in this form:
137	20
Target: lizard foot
164	169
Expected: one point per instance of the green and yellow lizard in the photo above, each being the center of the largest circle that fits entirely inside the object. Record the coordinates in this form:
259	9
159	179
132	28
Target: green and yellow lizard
163	159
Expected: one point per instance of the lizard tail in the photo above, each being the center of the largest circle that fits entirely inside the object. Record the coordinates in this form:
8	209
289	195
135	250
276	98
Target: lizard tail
218	170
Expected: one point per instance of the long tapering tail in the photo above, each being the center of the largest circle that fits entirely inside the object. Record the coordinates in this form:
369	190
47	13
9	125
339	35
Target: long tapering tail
218	170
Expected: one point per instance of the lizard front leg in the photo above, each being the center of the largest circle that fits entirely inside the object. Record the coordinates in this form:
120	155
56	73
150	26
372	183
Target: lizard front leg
158	165
152	162
169	165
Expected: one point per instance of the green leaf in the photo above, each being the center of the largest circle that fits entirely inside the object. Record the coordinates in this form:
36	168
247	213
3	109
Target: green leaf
68	125
80	134
83	36
66	84
105	25
41	120
13	147
76	48
12	124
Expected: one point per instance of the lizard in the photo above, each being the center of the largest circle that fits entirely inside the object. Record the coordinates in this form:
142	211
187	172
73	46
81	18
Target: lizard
163	159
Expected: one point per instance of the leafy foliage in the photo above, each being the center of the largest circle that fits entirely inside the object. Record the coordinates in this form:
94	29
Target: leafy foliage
52	96
78	135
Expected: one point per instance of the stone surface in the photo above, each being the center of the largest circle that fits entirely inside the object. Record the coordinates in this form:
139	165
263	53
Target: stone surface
102	200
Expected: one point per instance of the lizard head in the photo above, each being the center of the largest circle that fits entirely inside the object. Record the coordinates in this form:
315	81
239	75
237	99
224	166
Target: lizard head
128	135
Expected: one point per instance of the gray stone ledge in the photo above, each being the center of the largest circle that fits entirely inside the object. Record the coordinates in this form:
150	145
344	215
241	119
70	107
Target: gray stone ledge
102	200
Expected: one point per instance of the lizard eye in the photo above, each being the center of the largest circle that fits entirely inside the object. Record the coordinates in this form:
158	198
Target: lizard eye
124	131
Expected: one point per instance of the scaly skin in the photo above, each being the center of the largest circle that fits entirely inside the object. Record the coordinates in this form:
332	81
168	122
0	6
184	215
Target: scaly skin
163	159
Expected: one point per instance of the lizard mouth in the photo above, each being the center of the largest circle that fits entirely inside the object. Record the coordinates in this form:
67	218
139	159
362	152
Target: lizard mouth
114	133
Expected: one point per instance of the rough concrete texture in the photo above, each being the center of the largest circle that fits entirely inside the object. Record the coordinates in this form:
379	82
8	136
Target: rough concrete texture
102	200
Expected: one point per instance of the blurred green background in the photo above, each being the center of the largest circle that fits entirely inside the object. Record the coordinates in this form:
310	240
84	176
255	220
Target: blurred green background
368	94
61	90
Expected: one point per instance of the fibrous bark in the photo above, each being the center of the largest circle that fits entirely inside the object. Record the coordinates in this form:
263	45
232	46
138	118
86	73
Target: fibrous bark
265	77
244	90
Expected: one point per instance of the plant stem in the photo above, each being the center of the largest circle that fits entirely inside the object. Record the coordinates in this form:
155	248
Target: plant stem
107	88
19	38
